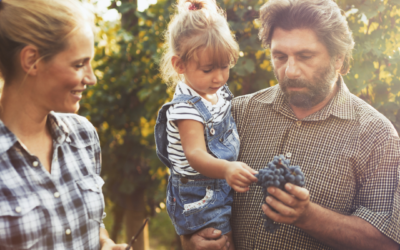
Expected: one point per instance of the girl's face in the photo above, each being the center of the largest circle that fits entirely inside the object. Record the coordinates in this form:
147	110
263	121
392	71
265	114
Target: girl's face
62	80
204	77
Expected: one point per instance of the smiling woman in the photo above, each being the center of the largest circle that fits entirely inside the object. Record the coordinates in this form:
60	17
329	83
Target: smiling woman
50	184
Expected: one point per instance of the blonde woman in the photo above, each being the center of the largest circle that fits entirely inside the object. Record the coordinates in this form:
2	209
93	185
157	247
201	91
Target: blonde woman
50	188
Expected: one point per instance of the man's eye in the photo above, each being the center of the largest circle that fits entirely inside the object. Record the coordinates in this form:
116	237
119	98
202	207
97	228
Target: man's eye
305	57
280	58
79	65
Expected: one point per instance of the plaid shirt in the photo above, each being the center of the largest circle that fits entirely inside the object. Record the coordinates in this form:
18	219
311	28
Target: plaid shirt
58	210
349	153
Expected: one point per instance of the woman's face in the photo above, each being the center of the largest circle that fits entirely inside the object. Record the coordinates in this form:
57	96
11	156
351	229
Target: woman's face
62	80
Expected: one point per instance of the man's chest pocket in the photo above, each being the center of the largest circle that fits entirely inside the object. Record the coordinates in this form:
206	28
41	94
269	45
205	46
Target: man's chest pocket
22	222
93	200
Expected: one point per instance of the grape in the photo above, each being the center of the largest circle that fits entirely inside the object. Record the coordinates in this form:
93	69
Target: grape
277	173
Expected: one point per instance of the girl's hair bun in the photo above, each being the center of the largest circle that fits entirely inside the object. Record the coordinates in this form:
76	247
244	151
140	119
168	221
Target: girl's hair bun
193	5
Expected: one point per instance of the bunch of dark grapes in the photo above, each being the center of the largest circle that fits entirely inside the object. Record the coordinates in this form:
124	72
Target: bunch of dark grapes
277	174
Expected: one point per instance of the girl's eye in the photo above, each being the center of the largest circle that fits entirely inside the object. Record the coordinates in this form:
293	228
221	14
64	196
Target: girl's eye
207	71
224	67
79	65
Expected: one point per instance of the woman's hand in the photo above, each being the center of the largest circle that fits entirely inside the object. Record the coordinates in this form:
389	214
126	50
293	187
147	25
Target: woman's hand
110	245
239	176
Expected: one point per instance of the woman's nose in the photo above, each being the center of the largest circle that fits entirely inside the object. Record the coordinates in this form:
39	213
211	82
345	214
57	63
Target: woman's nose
89	78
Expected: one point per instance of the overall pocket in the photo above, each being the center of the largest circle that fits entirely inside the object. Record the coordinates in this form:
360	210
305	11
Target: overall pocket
198	198
92	196
22	222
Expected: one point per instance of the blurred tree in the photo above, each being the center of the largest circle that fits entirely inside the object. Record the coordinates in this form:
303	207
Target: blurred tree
123	108
124	104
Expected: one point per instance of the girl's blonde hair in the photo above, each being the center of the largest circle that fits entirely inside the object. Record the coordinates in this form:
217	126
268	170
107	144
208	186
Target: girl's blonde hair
197	25
43	23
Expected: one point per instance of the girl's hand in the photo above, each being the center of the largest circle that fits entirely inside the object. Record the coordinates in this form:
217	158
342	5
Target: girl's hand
239	176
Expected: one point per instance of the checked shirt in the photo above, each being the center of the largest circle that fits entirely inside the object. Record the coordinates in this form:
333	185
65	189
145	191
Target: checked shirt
349	153
58	210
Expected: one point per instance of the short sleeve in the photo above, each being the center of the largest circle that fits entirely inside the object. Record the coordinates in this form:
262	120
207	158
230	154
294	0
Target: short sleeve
378	200
183	111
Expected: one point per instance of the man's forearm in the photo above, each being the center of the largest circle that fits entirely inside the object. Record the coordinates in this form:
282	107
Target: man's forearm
342	231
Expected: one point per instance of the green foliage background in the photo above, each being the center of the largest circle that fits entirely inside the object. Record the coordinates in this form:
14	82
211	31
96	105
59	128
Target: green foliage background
124	104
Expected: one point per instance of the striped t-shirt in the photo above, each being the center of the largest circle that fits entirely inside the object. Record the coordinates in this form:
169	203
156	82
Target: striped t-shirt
184	111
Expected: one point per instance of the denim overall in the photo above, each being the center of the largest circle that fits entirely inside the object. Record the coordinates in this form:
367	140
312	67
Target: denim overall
196	202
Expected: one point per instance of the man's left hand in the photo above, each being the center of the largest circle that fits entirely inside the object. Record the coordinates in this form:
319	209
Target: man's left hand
291	206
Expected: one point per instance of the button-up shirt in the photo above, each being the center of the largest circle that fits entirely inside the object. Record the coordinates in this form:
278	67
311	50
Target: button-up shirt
349	153
62	209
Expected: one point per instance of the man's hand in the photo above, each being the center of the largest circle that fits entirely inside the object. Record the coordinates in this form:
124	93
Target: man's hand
239	176
110	245
292	207
205	239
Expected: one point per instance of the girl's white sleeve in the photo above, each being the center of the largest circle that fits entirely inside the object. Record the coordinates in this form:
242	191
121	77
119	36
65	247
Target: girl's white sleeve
183	111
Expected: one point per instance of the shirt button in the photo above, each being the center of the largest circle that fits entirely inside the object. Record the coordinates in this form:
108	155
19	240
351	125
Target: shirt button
35	163
18	209
68	231
298	123
56	194
288	155
55	159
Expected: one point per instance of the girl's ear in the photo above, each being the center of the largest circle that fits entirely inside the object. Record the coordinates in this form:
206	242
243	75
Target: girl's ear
178	65
29	56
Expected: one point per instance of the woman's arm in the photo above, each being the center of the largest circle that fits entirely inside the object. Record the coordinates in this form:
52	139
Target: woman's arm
238	175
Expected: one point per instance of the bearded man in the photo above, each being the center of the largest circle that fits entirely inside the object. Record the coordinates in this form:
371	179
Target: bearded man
349	152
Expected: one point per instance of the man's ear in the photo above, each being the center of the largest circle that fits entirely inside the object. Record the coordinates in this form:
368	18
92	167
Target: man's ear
178	65
29	57
339	62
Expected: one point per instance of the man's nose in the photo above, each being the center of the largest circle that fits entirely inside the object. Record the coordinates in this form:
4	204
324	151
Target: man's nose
292	70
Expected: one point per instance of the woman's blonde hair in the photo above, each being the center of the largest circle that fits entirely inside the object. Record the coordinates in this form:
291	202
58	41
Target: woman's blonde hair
197	25
43	23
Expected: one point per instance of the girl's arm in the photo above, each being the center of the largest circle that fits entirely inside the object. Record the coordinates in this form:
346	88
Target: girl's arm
238	175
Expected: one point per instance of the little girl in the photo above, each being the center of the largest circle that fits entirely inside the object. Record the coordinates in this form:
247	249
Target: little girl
196	136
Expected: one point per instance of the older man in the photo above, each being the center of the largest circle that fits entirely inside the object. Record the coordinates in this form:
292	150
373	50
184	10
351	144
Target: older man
349	152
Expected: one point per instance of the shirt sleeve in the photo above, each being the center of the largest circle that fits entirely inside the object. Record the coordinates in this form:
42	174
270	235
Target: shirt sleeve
183	111
97	157
378	198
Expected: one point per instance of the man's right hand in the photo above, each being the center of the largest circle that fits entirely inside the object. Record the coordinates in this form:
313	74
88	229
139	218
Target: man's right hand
205	239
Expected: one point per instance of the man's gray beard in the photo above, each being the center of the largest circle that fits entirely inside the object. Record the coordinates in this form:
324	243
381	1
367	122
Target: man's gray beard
317	90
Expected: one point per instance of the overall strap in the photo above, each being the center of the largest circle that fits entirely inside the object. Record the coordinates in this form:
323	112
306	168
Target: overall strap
226	88
196	102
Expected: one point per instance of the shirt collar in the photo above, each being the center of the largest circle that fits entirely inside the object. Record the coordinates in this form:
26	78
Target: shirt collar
58	129
340	105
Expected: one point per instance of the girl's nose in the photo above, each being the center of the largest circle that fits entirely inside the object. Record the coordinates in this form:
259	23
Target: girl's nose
218	77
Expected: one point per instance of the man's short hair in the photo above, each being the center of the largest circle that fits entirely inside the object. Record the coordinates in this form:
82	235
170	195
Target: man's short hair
324	17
